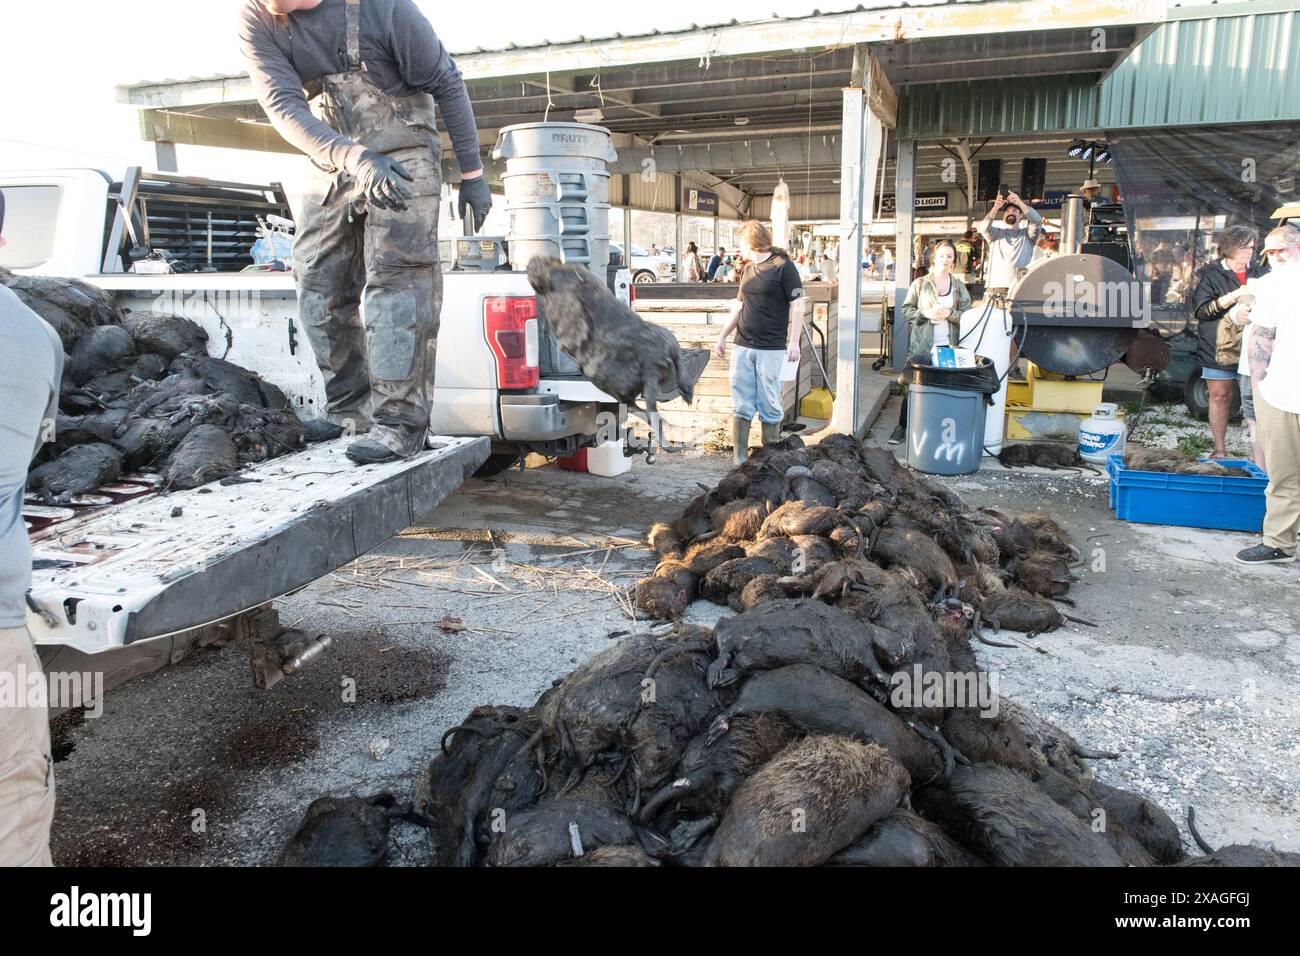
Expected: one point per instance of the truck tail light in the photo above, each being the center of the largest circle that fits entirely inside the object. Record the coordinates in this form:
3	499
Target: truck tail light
631	293
510	323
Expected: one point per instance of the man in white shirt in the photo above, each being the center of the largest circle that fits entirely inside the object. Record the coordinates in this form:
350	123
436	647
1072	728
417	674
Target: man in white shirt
1010	242
1274	348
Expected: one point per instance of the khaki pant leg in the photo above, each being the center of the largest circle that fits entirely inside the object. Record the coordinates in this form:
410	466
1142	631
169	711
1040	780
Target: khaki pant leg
400	307
1280	436
26	766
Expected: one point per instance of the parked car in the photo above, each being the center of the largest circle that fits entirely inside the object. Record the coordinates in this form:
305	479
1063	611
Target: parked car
645	267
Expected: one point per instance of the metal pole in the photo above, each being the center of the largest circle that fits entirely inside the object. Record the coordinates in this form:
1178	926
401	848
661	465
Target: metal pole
852	186
905	215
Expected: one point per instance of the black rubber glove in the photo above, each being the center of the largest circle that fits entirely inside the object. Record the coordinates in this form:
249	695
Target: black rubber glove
475	194
379	181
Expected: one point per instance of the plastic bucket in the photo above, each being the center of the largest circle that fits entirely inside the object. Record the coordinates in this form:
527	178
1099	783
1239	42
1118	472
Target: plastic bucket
550	186
946	417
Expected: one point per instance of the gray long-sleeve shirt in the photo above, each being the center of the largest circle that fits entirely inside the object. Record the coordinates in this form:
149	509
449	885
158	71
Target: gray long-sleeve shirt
402	56
1010	250
31	363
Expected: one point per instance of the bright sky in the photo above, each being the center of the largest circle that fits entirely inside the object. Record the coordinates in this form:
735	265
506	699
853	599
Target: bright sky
62	62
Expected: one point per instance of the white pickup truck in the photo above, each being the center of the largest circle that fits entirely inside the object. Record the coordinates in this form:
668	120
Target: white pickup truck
148	566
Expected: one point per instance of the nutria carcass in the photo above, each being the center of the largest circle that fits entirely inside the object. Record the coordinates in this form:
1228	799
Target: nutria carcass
635	705
165	335
800	518
1172	461
342	831
666	594
1003	817
739	520
626	856
480	768
703	557
69	305
813	492
819	702
1018	738
620	352
760	590
779	633
724	584
587	713
207	453
664	541
780	551
99	351
713	767
1075	795
674	704
1049	535
556	832
1236	854
78	471
1149	825
912	549
904	839
848	487
1043	573
1018	610
848	451
1040	455
808	802
811	552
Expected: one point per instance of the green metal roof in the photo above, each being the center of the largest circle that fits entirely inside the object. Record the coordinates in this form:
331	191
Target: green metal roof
1189	72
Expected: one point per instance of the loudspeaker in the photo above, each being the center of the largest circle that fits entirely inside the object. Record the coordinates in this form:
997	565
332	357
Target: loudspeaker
990	176
1033	179
1115	251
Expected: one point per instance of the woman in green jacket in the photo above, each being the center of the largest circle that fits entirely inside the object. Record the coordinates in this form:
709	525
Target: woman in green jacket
932	310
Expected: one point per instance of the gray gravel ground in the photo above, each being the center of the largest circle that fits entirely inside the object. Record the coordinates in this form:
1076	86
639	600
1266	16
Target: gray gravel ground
1190	675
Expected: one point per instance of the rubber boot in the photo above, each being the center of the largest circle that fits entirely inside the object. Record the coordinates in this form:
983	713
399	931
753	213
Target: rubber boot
771	433
740	439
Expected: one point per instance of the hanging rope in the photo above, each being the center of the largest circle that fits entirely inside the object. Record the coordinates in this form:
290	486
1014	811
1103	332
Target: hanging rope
547	114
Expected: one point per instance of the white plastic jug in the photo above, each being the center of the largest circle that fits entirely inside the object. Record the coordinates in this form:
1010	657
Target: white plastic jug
607	459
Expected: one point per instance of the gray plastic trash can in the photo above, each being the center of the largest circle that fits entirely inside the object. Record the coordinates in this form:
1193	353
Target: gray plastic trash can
946	416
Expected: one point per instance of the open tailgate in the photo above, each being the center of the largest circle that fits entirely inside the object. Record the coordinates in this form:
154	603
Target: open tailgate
166	563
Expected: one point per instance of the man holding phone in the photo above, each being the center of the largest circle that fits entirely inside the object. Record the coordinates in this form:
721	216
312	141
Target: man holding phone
1010	241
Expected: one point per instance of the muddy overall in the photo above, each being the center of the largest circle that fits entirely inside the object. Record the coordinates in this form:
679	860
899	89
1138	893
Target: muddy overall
369	286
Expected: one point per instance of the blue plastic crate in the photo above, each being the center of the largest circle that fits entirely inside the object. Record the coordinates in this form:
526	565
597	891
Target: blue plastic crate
1190	501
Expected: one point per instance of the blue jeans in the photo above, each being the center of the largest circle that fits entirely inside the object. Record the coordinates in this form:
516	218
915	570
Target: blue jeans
1216	374
755	383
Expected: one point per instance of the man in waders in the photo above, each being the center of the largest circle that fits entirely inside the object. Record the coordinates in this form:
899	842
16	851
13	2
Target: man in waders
353	84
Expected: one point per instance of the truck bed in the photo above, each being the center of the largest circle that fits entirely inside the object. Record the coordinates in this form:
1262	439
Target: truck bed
165	563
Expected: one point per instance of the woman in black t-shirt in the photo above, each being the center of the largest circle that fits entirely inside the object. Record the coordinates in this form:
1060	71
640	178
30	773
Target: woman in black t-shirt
767	317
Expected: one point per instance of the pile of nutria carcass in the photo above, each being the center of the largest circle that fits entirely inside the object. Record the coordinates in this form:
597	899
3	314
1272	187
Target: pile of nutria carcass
839	718
140	393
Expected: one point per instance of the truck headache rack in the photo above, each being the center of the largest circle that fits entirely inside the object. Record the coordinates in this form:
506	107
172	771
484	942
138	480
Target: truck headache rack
194	221
162	564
